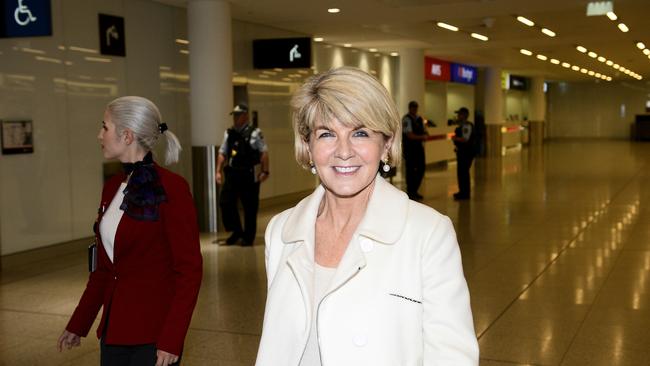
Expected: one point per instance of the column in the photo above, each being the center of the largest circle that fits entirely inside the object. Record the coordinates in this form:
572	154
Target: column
211	97
537	112
411	78
493	109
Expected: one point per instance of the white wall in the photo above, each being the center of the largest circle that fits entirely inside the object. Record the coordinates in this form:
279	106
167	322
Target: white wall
594	109
52	195
435	102
460	95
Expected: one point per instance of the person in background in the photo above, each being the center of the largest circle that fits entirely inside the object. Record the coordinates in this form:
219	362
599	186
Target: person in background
147	269
245	155
357	273
466	148
413	136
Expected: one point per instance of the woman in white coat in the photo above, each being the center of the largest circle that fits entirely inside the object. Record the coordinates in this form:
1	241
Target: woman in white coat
357	273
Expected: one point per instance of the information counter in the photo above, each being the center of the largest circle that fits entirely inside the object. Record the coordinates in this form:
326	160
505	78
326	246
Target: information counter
439	147
511	135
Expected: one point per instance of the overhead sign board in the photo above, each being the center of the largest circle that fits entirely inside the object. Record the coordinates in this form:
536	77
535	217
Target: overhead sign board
463	73
111	35
25	18
435	69
286	53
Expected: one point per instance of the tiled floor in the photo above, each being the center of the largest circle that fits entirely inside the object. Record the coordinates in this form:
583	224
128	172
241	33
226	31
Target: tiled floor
556	250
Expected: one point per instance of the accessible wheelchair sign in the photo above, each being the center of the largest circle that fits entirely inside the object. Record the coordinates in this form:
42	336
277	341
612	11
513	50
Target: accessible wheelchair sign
25	18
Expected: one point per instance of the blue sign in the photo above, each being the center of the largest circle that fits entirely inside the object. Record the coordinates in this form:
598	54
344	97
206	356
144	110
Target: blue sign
25	18
463	73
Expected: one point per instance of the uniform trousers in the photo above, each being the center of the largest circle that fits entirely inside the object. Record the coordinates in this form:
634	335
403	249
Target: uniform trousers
240	185
464	163
415	166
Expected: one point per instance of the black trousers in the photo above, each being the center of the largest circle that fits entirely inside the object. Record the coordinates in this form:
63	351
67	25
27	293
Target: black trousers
463	164
139	355
414	170
240	185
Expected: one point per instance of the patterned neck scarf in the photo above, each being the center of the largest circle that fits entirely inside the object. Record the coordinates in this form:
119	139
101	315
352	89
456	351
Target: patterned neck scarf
143	193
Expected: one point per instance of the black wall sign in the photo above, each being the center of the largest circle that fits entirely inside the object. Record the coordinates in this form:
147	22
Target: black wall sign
286	53
111	35
25	18
518	82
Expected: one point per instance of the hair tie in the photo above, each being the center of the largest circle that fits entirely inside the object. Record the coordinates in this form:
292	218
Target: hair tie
162	127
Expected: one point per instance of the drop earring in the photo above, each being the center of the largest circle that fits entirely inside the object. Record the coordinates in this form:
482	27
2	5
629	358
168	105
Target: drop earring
312	167
386	167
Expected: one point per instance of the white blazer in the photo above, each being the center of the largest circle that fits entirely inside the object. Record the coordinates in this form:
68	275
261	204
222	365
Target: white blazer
398	297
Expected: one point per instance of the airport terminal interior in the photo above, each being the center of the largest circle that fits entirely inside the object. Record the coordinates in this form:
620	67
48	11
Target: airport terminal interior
554	240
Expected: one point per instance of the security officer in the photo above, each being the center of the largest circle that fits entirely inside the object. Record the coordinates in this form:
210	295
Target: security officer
465	140
413	136
246	158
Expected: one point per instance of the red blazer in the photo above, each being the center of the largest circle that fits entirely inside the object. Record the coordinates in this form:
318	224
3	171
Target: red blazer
151	287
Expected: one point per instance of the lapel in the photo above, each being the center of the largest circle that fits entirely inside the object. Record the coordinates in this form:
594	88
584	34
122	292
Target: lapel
383	222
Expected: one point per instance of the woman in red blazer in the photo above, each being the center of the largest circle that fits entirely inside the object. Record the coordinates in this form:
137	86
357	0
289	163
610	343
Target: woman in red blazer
149	264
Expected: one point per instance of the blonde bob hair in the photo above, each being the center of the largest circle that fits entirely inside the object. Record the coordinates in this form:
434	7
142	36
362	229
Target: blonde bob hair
351	96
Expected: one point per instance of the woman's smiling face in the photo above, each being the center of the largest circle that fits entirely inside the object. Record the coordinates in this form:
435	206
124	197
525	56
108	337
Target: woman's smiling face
346	158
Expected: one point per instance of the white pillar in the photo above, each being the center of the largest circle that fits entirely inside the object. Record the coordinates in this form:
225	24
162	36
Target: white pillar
211	98
537	100
493	109
411	78
537	111
493	97
211	90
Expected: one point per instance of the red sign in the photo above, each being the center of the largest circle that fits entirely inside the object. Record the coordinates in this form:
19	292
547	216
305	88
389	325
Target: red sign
435	69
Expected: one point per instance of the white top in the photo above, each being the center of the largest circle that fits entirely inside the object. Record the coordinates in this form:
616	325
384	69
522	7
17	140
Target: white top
322	278
110	221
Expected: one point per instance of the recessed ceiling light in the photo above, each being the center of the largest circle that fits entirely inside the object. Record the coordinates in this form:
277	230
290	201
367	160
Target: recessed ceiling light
479	36
616	66
447	26
592	54
526	21
601	59
609	78
583	70
525	52
372	50
591	73
627	72
611	15
548	32
394	54
333	10
598	75
640	45
347	45
566	64
623	27
555	61
581	49
575	68
542	57
646	51
609	62
318	39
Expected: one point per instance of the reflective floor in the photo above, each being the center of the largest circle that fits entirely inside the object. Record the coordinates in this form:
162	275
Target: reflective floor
555	244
